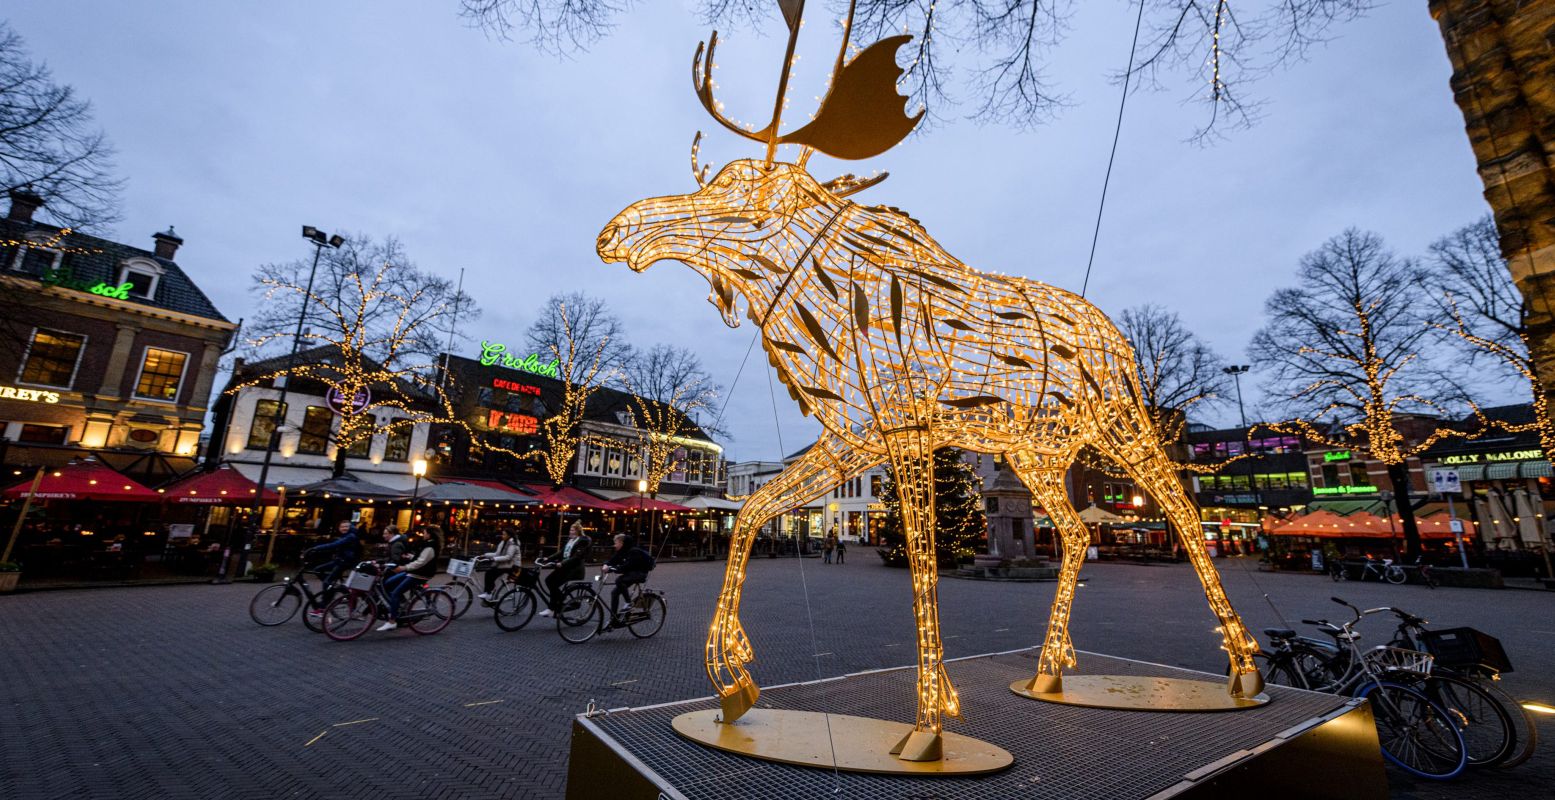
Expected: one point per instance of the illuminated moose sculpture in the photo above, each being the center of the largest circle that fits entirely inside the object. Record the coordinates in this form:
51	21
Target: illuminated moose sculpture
898	349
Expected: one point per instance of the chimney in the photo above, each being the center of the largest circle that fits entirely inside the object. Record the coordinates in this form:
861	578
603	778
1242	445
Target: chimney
167	243
23	204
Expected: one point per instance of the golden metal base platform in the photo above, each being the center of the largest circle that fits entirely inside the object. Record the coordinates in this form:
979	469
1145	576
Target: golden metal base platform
1140	693
847	743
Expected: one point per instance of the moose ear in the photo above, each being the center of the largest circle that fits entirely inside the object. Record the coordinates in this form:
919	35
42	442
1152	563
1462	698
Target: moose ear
850	184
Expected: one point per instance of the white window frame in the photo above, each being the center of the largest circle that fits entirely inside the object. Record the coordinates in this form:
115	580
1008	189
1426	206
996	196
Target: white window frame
182	374
145	267
74	370
34	242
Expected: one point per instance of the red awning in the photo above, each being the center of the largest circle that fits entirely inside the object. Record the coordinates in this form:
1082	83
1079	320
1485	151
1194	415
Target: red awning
87	479
569	496
224	486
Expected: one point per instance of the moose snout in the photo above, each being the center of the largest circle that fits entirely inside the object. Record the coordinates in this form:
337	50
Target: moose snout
607	240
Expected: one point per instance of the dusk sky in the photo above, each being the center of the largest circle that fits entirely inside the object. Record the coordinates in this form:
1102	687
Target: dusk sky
238	123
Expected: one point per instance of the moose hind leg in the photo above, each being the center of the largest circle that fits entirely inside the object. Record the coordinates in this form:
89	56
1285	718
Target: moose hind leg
1153	471
1047	486
728	648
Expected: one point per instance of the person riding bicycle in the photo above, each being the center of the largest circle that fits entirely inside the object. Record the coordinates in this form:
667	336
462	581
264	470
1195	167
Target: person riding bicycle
422	567
344	552
504	560
396	542
632	564
567	566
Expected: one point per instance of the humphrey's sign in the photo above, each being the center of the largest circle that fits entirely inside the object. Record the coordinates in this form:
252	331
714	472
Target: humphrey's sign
29	395
496	353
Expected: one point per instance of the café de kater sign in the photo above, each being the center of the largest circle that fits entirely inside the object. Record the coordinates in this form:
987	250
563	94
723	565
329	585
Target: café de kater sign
1491	458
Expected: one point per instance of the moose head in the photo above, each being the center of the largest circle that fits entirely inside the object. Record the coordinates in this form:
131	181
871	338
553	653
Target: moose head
750	210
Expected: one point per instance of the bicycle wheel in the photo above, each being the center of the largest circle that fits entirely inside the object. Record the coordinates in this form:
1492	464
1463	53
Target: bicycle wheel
514	608
647	616
1416	734
349	616
274	605
1395	575
460	593
581	615
1488	733
313	611
430	611
1525	728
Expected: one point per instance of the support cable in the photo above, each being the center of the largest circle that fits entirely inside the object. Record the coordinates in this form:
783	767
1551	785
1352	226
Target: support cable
1117	129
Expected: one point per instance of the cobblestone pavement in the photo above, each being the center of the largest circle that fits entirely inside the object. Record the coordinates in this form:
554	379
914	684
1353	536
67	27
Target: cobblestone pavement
172	692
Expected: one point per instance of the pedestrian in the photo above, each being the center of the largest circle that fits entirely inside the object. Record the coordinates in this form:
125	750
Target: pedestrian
842	552
829	545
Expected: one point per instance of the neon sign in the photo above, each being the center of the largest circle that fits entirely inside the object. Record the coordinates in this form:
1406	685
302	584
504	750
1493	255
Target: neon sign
1320	490
29	395
1337	455
1510	455
494	353
522	424
65	279
513	386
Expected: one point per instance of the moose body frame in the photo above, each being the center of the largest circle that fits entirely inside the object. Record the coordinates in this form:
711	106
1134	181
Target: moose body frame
898	349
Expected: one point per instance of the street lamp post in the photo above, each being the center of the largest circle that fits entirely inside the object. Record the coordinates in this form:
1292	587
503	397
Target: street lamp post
642	491
418	468
320	241
1236	371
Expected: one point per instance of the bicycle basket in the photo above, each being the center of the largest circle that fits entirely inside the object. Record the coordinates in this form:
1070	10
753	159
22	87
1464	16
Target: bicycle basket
1397	659
528	577
459	568
1465	648
361	581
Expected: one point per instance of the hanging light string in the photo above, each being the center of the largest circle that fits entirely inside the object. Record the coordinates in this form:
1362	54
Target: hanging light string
1113	154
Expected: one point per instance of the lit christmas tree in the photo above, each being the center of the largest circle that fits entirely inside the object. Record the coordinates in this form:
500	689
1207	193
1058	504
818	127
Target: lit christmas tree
958	511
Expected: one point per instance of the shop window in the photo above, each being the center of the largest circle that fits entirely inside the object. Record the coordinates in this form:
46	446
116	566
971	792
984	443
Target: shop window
874	486
42	434
1202	451
396	446
161	373
362	447
1358	474
263	424
1297	480
1330	475
316	424
52	358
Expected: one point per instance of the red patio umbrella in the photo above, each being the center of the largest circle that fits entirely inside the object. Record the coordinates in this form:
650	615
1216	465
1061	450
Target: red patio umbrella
569	496
223	486
86	479
652	504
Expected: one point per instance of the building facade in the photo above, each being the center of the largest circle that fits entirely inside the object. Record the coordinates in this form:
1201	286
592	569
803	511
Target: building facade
107	350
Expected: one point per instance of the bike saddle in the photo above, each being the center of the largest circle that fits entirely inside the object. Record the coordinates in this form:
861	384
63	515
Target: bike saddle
1279	633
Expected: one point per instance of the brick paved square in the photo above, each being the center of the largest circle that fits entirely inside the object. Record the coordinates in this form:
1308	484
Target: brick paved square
172	692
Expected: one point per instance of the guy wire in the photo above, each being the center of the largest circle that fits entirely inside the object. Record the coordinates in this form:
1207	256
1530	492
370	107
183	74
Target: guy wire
1117	129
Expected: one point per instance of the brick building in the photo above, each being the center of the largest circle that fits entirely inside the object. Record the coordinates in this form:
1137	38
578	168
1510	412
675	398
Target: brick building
105	349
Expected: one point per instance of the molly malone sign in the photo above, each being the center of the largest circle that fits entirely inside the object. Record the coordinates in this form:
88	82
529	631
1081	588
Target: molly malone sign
1487	458
28	395
494	353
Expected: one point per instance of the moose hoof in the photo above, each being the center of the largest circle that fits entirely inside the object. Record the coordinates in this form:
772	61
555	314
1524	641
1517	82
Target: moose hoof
920	746
1046	684
1245	684
741	700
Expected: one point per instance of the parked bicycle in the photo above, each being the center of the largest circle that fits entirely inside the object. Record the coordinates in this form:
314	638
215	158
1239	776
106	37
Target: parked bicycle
1416	732
278	603
1383	570
425	610
585	613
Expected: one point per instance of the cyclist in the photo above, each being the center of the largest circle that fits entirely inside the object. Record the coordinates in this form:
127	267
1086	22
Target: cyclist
422	567
505	559
566	565
396	541
343	552
632	563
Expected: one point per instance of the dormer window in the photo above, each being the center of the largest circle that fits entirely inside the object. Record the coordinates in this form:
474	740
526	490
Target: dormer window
142	275
35	257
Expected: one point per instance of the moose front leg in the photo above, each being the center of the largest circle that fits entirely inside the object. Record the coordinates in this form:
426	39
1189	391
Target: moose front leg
826	464
912	460
1047	488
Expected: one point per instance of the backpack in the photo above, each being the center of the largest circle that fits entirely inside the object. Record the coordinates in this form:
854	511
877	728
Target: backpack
652	562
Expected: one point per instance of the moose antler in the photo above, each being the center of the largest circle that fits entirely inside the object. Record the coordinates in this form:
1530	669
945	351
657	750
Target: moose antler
861	116
699	174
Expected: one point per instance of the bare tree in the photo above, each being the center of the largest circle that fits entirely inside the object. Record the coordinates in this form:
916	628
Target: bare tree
669	390
588	345
1345	348
1177	370
375	324
1220	45
1487	314
49	144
